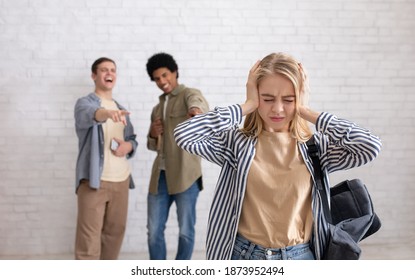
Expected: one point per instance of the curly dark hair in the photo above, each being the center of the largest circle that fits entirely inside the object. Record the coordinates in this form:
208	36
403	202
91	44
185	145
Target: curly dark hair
160	60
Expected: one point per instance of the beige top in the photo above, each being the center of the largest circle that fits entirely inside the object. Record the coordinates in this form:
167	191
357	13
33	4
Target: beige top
116	169
276	210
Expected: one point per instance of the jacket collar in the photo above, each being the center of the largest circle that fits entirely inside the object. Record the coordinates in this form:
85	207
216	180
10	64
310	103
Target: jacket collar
96	98
175	91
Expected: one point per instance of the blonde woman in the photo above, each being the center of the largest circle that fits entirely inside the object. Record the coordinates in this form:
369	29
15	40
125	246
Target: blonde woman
264	205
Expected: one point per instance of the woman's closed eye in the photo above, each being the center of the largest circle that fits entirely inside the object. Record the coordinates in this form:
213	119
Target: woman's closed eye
289	100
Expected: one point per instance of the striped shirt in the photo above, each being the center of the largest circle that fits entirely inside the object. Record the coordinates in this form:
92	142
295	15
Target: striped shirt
216	137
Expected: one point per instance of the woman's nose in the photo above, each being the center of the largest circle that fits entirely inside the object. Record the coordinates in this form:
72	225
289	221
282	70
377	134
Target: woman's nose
277	107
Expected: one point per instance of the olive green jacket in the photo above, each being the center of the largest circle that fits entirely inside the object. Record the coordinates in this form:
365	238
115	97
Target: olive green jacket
182	168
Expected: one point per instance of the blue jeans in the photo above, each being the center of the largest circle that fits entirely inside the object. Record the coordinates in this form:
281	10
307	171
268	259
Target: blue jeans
158	207
246	250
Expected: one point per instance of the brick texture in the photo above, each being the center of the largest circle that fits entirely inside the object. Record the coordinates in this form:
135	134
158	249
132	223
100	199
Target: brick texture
359	55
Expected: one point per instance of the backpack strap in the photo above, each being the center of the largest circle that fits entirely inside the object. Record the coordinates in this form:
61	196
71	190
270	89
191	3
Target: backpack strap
318	176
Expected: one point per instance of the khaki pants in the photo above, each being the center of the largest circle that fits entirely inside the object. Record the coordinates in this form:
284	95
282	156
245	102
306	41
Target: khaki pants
102	218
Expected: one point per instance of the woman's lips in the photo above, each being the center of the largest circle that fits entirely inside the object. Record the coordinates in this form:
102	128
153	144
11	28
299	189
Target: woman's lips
277	119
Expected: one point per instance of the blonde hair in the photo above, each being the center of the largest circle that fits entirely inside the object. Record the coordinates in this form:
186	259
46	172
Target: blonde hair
286	65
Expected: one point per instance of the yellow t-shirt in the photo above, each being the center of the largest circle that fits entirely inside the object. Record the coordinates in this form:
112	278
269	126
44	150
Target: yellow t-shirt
116	169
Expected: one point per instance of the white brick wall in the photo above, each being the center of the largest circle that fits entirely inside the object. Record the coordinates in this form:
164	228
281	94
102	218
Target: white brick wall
359	53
